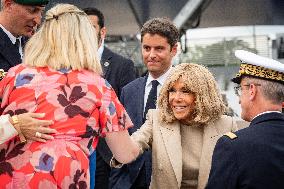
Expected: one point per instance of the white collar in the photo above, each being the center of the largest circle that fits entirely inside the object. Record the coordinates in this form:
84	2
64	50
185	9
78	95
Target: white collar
266	112
10	35
101	49
160	79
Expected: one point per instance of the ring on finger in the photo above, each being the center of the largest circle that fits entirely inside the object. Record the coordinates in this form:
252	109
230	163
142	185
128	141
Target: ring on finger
38	134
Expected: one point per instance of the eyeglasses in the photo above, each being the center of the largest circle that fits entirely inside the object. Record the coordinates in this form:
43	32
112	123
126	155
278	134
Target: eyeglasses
238	89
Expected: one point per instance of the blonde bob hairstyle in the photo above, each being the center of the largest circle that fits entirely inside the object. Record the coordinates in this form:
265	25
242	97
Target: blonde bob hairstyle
197	79
66	39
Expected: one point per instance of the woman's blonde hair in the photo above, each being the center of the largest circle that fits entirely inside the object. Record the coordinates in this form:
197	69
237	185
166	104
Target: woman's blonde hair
198	79
66	39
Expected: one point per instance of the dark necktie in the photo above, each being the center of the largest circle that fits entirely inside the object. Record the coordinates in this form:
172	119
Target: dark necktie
152	98
17	43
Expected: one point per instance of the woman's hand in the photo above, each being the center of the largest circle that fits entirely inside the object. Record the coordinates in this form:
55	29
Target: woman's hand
33	128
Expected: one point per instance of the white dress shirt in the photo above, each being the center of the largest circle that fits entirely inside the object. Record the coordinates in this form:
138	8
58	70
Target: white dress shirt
101	50
148	85
266	112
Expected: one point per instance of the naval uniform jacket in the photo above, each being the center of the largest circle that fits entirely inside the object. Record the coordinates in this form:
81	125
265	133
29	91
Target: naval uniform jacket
253	159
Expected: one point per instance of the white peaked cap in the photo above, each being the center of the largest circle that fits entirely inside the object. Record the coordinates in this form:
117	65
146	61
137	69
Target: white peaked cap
259	67
254	59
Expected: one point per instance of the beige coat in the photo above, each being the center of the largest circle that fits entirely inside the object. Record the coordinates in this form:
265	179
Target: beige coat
165	142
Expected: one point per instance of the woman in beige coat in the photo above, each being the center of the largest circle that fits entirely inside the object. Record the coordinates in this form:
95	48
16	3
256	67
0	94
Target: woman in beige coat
184	129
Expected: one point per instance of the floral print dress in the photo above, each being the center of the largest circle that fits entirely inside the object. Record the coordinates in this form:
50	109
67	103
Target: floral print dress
83	107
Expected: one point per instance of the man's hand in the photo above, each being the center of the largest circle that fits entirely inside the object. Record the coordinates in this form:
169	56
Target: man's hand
30	125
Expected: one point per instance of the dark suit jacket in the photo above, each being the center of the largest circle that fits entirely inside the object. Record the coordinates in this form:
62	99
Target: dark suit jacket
118	71
132	97
9	53
255	159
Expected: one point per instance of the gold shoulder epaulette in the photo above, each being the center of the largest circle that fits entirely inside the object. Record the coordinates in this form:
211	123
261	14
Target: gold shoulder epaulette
231	135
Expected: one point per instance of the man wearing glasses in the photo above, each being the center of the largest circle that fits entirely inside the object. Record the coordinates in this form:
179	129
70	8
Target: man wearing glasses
254	157
238	88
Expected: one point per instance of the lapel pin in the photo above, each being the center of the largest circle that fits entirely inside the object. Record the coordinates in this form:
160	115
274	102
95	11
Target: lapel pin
106	64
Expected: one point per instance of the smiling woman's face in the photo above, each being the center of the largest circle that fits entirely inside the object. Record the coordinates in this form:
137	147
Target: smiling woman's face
182	101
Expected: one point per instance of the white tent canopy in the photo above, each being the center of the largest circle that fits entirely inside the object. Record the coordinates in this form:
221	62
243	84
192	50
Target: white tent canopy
124	17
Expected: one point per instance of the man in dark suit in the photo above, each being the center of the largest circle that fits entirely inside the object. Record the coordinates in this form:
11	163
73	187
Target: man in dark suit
159	39
118	71
18	18
254	157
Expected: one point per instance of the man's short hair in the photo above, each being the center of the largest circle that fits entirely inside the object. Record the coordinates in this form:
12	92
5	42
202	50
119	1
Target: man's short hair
96	12
163	27
2	5
271	90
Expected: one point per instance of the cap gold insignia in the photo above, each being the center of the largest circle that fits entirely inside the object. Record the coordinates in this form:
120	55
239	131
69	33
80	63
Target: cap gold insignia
261	72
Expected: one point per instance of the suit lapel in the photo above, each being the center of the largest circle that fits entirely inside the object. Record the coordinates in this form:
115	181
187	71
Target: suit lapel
172	140
135	104
210	137
106	62
140	91
8	50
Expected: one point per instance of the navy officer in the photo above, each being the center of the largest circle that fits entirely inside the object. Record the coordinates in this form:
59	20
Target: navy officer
254	157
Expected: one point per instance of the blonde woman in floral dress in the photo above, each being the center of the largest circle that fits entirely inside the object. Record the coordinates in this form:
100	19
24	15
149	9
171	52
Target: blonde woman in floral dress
61	77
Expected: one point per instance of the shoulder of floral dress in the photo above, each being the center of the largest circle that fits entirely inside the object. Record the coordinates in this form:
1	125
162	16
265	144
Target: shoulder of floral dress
18	68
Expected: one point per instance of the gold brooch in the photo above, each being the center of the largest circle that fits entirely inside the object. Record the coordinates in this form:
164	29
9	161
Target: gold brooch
2	74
